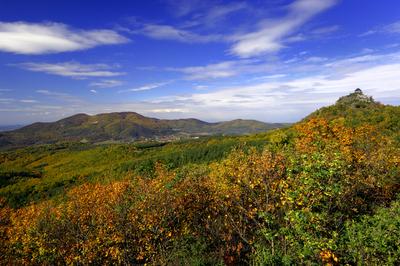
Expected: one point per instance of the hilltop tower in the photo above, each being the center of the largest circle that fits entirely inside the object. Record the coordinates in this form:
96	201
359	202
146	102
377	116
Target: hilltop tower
356	99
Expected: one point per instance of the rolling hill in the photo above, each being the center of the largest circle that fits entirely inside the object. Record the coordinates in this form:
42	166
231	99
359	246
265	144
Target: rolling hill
125	126
358	109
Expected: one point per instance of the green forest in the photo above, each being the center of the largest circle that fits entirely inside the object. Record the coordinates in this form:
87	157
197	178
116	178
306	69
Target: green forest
323	191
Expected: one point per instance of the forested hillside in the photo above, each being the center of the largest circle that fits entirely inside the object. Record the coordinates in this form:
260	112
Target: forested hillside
125	127
324	191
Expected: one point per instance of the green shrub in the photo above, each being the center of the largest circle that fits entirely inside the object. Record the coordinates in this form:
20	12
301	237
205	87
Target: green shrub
375	239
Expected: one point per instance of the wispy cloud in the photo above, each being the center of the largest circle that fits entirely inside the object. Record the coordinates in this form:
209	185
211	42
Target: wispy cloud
218	70
168	110
45	38
167	32
214	15
6	100
200	87
274	97
224	69
271	33
72	69
256	69
28	101
316	59
106	83
270	77
61	97
288	100
12	100
146	87
200	16
392	28
52	93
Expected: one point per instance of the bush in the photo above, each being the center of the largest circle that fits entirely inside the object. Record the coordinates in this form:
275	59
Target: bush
375	239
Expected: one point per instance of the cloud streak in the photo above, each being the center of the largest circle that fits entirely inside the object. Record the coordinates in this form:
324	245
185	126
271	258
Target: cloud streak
72	69
167	32
224	69
392	28
146	87
271	33
47	38
275	98
107	83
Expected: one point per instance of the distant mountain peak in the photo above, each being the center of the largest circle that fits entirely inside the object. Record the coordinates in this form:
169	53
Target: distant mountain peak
125	126
356	99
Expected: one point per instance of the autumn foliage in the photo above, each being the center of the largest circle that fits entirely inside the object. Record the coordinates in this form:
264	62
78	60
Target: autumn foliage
296	201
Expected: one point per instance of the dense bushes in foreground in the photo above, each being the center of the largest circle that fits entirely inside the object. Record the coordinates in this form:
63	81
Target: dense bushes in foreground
40	172
322	192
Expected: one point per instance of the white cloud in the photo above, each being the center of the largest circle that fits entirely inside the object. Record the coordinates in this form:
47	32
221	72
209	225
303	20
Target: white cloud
270	36
393	28
204	12
316	59
214	15
271	33
203	16
6	100
349	64
289	100
167	32
274	76
106	83
146	87
28	101
47	92
367	50
223	69
168	110
273	97
45	38
201	87
93	91
72	69
218	70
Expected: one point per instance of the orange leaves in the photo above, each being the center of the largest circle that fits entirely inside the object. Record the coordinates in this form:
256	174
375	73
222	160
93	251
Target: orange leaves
293	193
78	230
318	134
328	257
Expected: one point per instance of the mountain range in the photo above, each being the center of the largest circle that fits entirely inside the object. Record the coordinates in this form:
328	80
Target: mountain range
125	126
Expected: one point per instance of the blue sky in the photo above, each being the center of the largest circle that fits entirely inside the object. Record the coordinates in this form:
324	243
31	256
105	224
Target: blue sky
273	61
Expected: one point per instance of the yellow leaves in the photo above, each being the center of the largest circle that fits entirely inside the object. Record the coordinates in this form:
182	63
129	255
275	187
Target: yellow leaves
98	221
328	257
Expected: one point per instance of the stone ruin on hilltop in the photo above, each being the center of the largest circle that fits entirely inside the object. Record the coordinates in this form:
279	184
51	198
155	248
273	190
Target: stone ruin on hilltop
355	98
